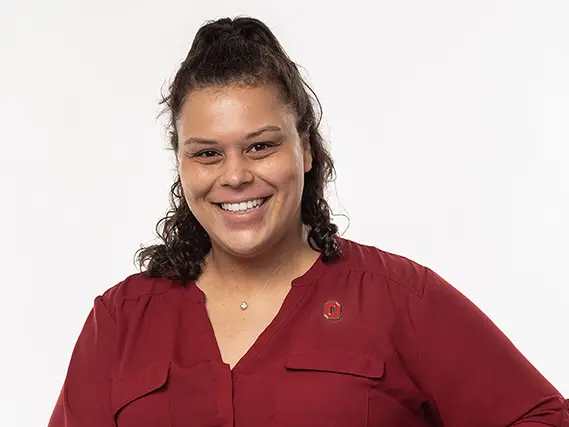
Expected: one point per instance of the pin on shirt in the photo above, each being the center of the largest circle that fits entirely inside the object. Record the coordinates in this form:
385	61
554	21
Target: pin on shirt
332	310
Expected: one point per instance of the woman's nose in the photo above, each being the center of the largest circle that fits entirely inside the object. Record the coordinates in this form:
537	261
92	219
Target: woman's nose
236	172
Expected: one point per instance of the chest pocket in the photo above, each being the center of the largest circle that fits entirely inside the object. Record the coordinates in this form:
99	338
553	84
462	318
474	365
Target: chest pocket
327	388
140	398
166	395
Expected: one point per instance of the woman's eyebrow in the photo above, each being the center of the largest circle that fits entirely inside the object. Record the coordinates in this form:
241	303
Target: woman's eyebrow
250	135
268	128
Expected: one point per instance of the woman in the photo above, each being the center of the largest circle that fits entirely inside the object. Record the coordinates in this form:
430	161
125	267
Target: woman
253	312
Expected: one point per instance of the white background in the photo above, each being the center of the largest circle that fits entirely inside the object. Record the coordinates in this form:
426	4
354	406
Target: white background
448	122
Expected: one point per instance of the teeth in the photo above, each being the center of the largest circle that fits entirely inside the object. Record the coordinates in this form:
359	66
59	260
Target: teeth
243	206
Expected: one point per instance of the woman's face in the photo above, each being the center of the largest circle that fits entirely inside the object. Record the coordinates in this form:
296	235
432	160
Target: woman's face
242	166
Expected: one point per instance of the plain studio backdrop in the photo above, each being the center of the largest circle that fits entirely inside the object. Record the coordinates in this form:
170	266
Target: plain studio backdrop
447	121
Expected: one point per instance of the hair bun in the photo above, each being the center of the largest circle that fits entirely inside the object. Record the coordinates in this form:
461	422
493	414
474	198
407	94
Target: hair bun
246	28
216	30
254	30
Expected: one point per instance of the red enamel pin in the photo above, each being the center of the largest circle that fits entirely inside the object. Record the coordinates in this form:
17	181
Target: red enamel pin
332	310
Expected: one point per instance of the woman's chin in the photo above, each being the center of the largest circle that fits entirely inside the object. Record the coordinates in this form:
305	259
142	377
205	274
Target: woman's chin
243	245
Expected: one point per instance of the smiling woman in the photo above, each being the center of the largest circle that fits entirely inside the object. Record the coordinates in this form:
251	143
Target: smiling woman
242	168
252	311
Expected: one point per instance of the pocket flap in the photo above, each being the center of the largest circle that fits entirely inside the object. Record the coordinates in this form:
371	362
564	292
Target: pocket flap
130	387
358	364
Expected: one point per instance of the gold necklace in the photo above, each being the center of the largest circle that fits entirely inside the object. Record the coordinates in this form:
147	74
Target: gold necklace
244	304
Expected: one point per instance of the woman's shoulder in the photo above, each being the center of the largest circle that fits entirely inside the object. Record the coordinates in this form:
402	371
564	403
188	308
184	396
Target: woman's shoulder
134	287
397	269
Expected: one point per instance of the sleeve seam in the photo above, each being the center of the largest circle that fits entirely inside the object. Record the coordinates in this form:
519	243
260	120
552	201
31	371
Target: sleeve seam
104	304
420	337
386	276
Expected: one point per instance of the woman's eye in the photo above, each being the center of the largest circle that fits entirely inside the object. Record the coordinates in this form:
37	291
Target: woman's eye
206	153
260	146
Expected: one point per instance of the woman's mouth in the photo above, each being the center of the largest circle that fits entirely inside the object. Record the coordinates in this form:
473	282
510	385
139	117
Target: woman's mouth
243	207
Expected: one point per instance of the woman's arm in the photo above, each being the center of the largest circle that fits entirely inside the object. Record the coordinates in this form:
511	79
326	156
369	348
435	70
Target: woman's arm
472	372
84	400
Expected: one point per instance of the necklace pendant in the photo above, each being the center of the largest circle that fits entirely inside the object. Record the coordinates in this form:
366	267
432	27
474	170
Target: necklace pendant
243	305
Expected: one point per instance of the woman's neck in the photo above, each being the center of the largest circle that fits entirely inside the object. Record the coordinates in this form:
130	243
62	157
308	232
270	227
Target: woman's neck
290	257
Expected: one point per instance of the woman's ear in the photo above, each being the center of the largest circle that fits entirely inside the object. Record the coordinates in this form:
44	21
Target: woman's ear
307	152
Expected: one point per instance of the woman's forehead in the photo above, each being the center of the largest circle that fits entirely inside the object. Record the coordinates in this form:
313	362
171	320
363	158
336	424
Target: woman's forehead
233	110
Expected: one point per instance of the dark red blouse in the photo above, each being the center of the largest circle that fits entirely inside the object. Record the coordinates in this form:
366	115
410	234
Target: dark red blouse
372	340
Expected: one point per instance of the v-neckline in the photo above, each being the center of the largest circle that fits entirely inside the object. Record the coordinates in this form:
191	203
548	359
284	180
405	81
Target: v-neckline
290	302
299	288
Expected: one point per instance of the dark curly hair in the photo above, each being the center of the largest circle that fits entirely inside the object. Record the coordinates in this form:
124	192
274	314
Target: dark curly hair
241	51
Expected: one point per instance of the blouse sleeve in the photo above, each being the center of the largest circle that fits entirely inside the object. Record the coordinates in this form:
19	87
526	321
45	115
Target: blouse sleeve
84	400
472	373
